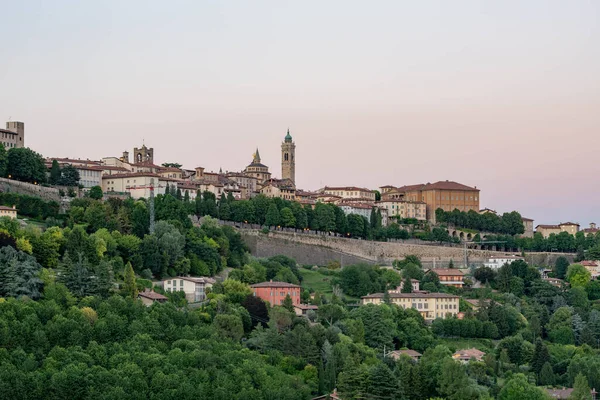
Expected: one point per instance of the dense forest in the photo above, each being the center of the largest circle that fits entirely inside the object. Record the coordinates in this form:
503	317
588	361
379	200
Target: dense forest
70	324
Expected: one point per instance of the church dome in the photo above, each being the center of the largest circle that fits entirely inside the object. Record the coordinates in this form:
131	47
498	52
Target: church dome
288	137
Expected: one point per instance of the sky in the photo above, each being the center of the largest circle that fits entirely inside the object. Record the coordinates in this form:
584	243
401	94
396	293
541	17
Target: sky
502	95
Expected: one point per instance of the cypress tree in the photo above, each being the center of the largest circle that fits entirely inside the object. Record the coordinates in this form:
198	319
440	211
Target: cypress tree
581	389
54	173
130	286
540	356
407	285
546	377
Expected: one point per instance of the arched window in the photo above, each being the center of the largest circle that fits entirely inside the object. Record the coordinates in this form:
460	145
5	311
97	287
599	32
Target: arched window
285	157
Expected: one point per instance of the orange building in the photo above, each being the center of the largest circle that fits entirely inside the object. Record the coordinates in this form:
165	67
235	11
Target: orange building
449	276
447	195
276	292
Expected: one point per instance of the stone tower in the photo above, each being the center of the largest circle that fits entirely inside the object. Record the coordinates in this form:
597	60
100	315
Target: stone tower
19	129
288	158
143	155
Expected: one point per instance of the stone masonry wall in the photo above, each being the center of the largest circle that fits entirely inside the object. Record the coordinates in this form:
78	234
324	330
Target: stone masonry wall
310	249
46	193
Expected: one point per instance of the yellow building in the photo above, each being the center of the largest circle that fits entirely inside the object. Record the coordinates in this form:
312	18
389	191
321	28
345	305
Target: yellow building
429	305
405	208
546	230
284	189
10	212
447	195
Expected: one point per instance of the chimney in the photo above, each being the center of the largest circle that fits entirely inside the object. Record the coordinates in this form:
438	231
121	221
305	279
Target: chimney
14	206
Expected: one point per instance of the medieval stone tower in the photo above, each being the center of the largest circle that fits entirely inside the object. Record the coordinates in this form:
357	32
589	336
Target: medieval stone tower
143	155
288	158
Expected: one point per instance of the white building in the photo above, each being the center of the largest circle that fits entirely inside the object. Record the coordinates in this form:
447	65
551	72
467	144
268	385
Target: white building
136	184
89	176
363	210
495	262
351	192
13	135
194	288
10	212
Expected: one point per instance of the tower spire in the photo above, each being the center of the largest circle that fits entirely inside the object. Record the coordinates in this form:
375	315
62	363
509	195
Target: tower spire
256	158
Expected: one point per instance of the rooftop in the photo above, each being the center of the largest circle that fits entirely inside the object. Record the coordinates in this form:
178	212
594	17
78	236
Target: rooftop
446	271
274	285
412	296
152	295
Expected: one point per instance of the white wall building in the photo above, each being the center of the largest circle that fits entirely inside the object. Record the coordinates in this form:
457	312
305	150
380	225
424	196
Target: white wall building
495	262
137	184
194	288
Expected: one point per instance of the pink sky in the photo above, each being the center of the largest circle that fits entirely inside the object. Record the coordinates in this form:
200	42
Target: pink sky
504	96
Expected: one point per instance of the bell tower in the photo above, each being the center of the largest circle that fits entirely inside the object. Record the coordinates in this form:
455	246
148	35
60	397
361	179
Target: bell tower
288	158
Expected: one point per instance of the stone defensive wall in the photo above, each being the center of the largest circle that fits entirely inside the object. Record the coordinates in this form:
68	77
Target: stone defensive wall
321	249
46	193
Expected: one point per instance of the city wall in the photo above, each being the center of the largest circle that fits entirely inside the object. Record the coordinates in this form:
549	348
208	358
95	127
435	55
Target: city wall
319	250
46	193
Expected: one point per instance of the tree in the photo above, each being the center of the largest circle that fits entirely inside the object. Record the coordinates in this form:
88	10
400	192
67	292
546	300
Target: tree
356	225
546	376
54	173
581	389
578	275
560	267
19	274
540	356
272	218
25	165
287	218
288	304
257	309
3	161
130	286
69	176
96	193
485	274
382	383
407	285
519	388
229	326
451	264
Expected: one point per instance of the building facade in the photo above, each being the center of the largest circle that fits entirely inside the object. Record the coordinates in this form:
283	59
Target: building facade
405	209
276	292
528	226
288	159
429	305
10	212
13	135
546	230
350	192
449	276
195	289
447	195
137	184
496	262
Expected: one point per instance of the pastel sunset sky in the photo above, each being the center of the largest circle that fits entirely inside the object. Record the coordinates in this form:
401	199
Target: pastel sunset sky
502	95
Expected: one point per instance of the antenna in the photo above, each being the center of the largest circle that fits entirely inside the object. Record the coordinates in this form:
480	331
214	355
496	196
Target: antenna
151	206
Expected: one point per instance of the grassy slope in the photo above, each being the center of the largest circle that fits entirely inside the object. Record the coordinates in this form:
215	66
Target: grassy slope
320	283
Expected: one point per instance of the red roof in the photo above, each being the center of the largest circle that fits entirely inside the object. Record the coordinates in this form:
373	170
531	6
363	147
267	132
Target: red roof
7	208
412	295
354	188
568	223
274	285
447	271
152	295
440	185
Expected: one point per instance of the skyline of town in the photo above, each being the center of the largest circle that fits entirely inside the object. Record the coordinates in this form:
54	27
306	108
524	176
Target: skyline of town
508	104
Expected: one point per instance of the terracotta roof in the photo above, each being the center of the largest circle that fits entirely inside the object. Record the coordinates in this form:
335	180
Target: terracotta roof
353	188
152	295
132	175
568	223
397	353
7	131
448	185
446	271
5	208
200	279
588	263
468	354
388	200
274	285
526	219
170	169
147	164
306	307
112	168
590	230
412	296
548	227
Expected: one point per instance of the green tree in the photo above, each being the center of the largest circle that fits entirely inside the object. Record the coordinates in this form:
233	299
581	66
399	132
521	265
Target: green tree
19	274
581	389
288	304
3	160
519	388
25	165
129	285
287	218
540	356
96	193
356	225
54	173
69	176
578	275
560	267
229	326
382	383
546	376
407	285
